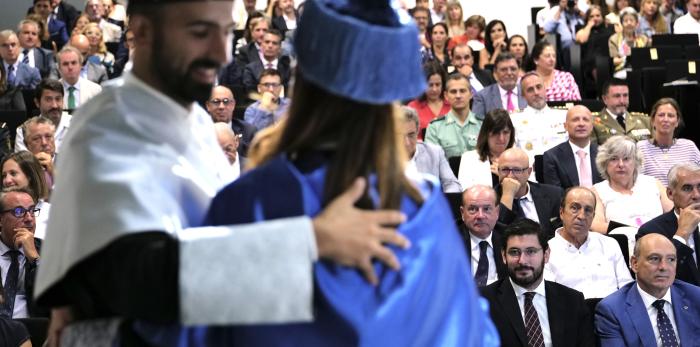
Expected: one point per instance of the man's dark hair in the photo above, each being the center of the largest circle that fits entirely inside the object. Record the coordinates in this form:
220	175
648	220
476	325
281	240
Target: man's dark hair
433	68
503	56
47	84
571	189
495	121
419	9
275	32
452	52
613	82
270	72
524	227
455	77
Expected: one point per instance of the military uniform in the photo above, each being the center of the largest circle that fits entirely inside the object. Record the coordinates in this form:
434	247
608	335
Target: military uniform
454	138
538	130
605	125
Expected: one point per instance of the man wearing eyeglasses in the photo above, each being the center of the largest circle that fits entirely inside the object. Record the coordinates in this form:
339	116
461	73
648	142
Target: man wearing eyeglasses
504	93
480	215
271	107
220	106
522	199
19	253
527	310
591	263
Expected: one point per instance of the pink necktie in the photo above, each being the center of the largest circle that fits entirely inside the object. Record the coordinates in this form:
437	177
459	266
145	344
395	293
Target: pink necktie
509	104
584	175
269	66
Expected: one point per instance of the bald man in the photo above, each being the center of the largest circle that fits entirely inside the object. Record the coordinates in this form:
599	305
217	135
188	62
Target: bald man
228	141
655	310
572	162
220	106
94	72
521	198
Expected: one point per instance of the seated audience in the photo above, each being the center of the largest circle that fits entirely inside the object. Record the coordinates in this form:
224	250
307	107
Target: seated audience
528	310
431	104
614	119
537	127
287	21
421	15
39	139
98	52
220	106
690	22
22	170
664	150
77	90
621	43
11	98
20	253
437	36
579	259
95	9
625	197
504	94
656	310
473	34
521	199
671	12
495	39
680	225
593	38
19	74
57	28
480	166
560	85
426	158
270	58
32	54
271	107
14	333
517	46
455	19
115	13
572	162
48	97
651	22
438	12
248	46
456	131
89	70
562	20
463	62
80	24
613	17
482	234
228	140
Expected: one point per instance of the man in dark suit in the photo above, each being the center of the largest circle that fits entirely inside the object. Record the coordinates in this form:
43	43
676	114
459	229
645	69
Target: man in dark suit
31	52
521	199
58	31
681	224
20	252
271	59
527	310
482	234
62	11
655	310
504	94
19	75
463	62
288	20
563	165
251	51
220	106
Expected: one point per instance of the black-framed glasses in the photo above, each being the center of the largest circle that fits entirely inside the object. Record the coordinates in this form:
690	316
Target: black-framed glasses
225	101
20	212
514	170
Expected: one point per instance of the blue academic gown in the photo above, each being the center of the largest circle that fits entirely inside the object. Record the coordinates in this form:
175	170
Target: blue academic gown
431	301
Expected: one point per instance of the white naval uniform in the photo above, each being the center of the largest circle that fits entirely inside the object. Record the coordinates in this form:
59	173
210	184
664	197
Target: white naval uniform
536	131
136	161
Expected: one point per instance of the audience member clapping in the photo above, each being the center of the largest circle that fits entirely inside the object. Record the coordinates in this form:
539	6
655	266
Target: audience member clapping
626	196
664	150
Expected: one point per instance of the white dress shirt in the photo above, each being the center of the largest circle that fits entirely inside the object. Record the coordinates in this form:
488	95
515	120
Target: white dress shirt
20	309
686	24
476	254
587	149
597	268
474	82
690	242
648	300
61	131
513	97
539	301
30	54
528	205
76	92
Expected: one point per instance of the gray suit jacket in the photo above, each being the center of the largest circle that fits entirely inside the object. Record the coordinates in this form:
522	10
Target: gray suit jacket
44	61
431	159
26	77
489	99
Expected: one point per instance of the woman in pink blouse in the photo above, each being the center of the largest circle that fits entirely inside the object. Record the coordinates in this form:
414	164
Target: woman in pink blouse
432	103
560	85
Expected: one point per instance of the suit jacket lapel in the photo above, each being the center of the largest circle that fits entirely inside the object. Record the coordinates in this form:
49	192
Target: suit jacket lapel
509	304
683	315
595	175
496	101
557	316
637	314
501	269
540	200
568	162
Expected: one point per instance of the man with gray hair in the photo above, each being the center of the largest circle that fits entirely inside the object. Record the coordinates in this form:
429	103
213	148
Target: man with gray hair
680	225
19	74
39	135
77	90
426	157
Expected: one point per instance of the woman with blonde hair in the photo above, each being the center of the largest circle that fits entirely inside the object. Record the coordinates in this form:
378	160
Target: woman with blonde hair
651	22
98	50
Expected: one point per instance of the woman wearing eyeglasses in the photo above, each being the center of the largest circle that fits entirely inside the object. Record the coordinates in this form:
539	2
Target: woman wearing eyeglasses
22	170
626	197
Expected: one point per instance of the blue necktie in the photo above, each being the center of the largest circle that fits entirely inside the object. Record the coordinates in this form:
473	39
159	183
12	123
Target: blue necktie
668	337
25	60
11	75
10	285
482	267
